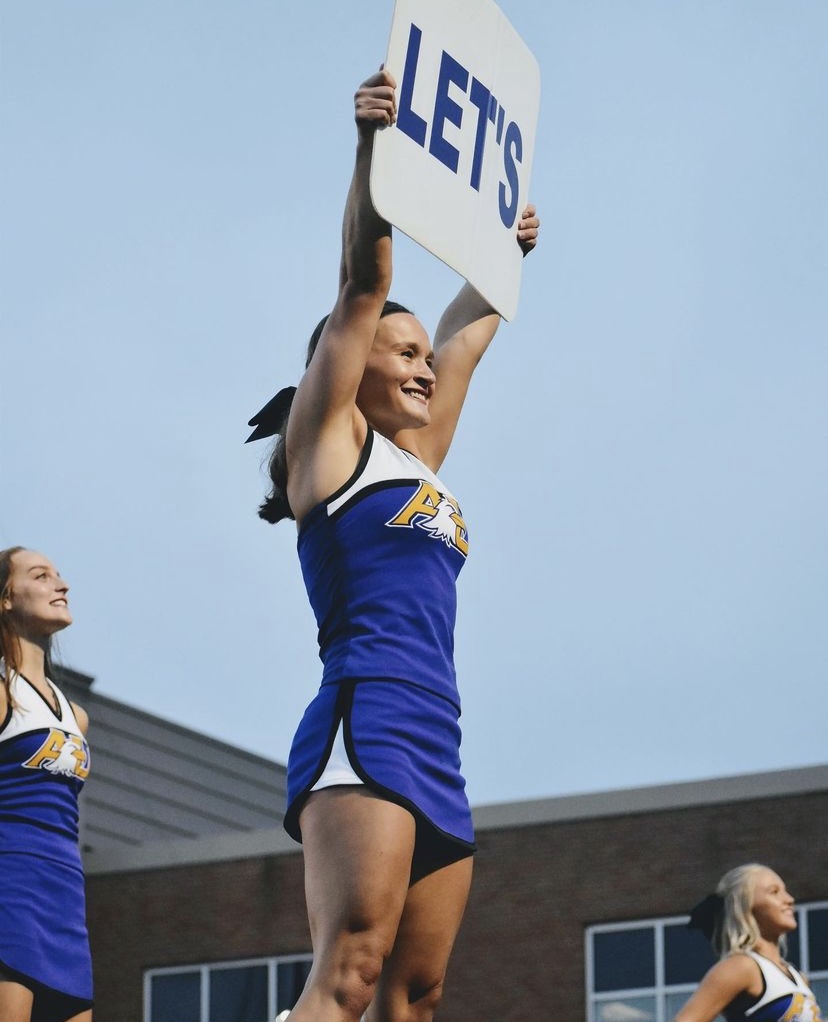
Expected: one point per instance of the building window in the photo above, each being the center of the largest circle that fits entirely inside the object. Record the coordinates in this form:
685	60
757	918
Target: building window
644	971
255	990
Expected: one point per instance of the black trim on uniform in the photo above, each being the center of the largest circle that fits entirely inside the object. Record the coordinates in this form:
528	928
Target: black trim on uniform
322	507
362	461
366	491
57	712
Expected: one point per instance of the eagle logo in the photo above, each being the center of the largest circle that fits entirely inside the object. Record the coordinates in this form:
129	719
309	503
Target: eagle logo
437	514
61	754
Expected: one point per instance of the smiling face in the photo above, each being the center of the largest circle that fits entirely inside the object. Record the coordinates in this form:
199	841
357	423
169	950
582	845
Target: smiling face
36	600
398	381
772	905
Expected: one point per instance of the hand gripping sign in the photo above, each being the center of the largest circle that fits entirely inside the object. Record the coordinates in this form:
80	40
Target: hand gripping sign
453	172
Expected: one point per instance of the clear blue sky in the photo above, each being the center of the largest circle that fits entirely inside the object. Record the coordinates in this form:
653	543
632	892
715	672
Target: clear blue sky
642	461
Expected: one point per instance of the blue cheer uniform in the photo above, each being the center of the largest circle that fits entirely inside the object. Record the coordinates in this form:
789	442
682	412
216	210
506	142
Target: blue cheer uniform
785	997
380	560
44	759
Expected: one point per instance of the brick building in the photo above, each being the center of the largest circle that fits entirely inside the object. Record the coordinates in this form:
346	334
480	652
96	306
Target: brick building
577	911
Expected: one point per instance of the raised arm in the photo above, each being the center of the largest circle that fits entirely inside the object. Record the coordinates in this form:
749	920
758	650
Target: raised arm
462	336
324	427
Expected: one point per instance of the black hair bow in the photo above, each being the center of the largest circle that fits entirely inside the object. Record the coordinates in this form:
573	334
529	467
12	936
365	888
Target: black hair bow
707	914
271	419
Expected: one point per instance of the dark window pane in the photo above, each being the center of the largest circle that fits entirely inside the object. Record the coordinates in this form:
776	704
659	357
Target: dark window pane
818	940
792	952
687	955
239	995
176	997
624	959
290	980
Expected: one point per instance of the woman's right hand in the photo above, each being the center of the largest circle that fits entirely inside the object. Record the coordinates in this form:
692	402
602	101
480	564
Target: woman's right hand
375	102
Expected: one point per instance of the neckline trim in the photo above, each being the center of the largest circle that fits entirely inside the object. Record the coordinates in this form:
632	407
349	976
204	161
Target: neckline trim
57	709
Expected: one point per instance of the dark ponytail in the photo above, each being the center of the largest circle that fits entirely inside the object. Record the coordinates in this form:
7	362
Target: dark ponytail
275	506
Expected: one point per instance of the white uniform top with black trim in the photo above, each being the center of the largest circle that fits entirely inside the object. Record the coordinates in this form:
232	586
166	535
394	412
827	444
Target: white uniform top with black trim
785	998
380	560
44	759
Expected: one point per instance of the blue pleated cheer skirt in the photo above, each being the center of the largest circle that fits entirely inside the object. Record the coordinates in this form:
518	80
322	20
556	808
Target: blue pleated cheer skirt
403	742
43	932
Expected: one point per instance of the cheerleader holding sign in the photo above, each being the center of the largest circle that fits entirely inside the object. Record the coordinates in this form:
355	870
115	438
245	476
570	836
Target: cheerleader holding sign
375	791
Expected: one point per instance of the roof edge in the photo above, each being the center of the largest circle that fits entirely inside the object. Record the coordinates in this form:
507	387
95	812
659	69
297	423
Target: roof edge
534	812
189	851
653	798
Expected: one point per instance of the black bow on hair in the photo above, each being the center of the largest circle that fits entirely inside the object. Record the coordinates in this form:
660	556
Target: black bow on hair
707	914
270	420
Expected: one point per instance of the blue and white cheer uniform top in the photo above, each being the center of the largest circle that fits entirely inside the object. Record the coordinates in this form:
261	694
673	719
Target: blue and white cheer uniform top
380	560
44	760
785	998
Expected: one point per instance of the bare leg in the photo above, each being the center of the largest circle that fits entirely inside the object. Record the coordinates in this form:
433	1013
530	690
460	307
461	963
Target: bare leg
412	981
15	1001
358	849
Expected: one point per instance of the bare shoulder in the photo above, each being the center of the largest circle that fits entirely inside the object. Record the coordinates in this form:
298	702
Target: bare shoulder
319	465
728	978
738	973
81	716
737	967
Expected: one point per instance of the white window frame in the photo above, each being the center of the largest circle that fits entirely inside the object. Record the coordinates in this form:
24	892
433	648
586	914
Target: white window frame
203	970
660	990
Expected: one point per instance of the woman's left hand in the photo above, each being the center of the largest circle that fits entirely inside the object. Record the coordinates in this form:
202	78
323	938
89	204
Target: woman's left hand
528	229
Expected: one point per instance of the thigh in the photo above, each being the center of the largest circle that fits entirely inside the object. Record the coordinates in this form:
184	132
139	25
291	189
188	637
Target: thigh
358	849
426	933
15	1001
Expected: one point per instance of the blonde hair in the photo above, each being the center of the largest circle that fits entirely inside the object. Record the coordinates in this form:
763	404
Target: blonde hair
736	928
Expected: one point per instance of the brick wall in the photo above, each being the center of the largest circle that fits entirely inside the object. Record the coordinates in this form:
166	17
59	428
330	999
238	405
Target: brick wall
519	956
189	914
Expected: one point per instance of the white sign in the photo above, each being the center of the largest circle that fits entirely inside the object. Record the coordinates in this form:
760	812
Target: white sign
453	172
